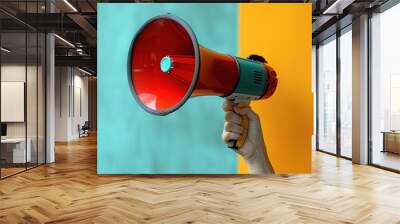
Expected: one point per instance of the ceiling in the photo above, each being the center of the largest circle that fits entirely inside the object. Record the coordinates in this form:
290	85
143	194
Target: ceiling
332	15
75	23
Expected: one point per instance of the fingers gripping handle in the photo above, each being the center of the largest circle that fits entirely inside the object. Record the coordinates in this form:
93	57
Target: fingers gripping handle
237	144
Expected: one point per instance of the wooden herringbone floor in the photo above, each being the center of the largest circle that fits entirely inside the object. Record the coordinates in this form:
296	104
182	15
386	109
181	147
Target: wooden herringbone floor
70	191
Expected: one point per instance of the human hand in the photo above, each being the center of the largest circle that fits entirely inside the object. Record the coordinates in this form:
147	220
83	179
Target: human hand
253	151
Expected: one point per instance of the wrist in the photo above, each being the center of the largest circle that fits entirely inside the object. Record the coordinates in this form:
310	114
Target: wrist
258	155
258	162
257	151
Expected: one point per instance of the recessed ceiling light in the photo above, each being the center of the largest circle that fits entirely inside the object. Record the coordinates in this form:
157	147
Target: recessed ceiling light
337	7
84	71
5	50
70	5
65	41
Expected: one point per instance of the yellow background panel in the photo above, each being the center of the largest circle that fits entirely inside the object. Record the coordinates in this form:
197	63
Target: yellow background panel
282	34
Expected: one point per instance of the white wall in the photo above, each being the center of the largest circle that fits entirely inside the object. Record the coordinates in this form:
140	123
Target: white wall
13	73
80	103
71	102
13	100
62	82
33	127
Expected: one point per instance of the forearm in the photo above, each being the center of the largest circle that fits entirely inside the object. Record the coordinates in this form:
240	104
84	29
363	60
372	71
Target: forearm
259	162
253	151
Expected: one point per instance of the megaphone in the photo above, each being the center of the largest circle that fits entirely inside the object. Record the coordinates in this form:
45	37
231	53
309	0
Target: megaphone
168	66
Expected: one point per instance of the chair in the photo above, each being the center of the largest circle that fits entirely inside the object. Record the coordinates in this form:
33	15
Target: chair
84	130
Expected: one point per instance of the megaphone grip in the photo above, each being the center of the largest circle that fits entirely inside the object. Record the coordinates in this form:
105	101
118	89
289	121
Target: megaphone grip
237	144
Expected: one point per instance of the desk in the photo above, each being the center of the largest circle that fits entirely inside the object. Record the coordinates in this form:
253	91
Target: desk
15	148
391	141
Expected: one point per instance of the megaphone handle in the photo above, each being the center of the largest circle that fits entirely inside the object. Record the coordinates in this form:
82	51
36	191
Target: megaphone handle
237	144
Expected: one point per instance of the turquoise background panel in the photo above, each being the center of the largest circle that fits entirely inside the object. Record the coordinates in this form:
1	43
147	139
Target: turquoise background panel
132	141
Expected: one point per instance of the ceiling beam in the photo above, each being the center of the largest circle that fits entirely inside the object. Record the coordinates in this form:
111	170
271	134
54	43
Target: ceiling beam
82	61
337	7
84	24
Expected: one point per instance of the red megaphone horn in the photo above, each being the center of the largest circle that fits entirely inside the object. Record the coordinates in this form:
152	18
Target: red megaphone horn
168	66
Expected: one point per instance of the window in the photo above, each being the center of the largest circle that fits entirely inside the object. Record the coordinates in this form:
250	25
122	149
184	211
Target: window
22	78
327	95
385	88
346	93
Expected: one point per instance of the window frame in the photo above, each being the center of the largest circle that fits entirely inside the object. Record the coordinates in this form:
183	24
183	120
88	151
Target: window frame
31	30
381	9
334	37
